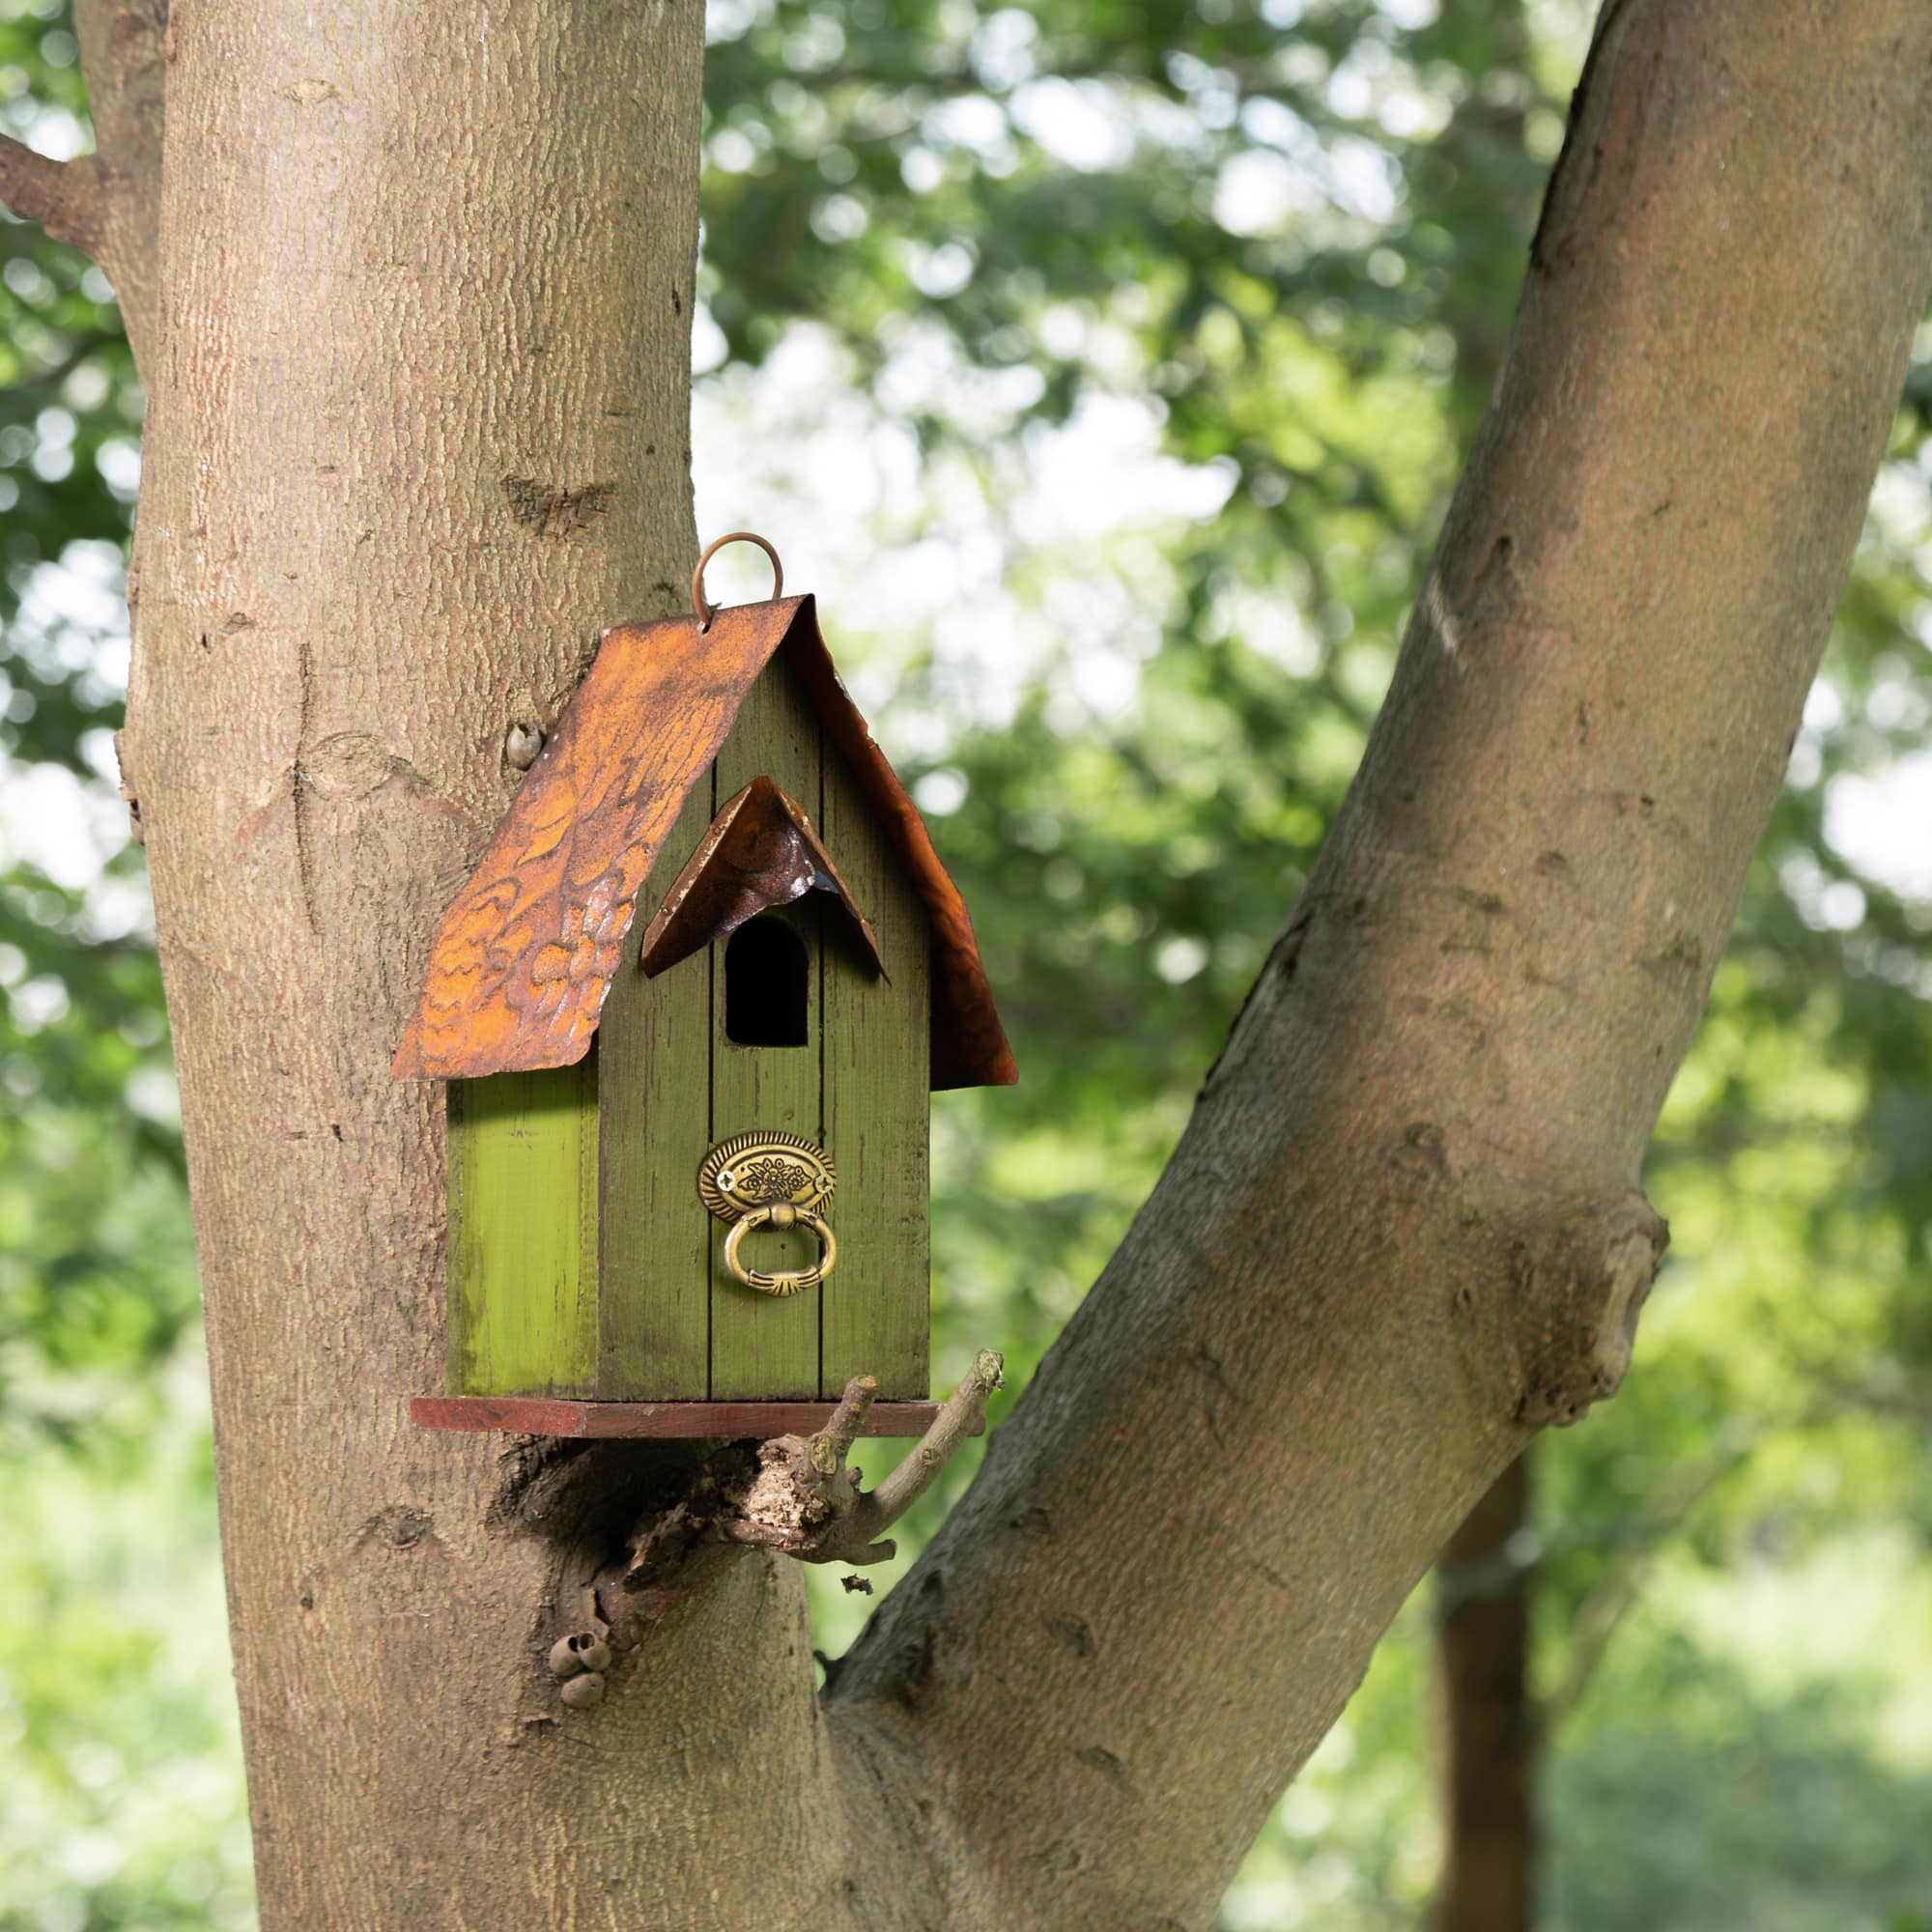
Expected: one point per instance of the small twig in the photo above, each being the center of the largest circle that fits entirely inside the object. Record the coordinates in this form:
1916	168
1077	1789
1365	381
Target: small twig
64	197
950	1427
807	1503
848	1419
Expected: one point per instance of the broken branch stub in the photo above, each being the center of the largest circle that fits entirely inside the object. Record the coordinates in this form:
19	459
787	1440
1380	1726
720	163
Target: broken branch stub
1582	1280
805	1502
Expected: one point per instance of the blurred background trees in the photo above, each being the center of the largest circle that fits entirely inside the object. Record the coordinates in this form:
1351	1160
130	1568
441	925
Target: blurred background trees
1105	369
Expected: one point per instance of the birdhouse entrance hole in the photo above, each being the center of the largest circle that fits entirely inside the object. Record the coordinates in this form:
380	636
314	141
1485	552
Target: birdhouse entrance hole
591	1071
767	984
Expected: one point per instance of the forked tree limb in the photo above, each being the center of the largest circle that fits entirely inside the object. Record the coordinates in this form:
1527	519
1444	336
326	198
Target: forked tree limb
1402	1229
807	1503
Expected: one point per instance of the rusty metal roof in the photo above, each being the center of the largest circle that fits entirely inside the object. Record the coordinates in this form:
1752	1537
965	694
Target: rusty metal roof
761	850
524	956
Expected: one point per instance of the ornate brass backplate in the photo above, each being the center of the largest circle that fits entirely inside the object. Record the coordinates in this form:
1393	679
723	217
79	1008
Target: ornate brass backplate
759	1169
770	1181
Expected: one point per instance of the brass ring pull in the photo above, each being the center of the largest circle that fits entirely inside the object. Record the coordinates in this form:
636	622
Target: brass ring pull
781	1281
706	612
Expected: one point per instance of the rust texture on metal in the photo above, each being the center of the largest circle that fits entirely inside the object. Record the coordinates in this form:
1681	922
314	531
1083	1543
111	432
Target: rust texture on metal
760	851
969	1044
524	956
552	1415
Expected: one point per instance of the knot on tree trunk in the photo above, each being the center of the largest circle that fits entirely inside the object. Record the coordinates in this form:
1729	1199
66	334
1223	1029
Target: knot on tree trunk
1579	1279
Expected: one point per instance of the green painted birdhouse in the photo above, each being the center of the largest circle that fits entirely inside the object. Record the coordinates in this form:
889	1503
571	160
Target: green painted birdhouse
689	1006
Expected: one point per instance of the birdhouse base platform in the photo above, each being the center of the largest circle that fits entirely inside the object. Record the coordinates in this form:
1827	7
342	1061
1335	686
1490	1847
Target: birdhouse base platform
563	1415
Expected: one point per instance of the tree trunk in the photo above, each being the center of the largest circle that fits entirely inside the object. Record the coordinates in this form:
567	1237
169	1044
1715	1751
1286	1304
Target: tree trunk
420	404
1487	1719
420	431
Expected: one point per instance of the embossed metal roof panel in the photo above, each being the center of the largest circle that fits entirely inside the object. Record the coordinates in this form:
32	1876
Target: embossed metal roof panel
761	850
525	955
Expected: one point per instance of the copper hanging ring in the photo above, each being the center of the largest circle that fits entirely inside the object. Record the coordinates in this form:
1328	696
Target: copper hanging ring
706	612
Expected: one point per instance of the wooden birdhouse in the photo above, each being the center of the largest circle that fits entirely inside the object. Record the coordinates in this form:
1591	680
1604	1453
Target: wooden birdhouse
687	1151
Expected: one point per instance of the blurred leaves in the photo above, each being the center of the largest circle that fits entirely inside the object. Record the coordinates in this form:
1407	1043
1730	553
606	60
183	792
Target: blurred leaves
1274	244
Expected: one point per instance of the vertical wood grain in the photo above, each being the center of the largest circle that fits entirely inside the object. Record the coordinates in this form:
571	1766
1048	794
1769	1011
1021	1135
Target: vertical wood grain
877	1311
765	1346
522	1253
654	1045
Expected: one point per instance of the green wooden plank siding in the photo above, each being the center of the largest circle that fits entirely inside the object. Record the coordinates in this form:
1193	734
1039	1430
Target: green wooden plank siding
581	1261
876	1304
522	1218
654	1343
765	1346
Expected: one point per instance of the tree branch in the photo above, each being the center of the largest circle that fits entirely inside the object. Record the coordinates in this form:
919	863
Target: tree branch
1485	1735
65	198
124	55
806	1503
1402	1229
1602	1613
109	203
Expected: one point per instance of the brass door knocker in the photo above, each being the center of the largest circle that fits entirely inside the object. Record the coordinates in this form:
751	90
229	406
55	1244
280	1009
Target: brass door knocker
770	1181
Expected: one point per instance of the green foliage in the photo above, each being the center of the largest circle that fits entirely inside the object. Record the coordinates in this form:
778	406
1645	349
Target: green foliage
1786	1758
1284	239
120	1804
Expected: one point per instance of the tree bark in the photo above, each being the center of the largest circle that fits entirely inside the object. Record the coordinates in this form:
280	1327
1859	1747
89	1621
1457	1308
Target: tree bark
1487	1733
1400	1231
124	52
421	266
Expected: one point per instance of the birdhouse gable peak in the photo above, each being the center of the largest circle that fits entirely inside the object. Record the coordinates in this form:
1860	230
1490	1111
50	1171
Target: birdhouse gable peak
527	951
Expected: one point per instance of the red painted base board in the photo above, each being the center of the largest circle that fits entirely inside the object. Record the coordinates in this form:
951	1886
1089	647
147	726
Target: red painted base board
564	1415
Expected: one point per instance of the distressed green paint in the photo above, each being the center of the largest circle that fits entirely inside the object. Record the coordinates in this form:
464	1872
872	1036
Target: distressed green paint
654	1081
581	1261
763	1345
876	1305
523	1232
